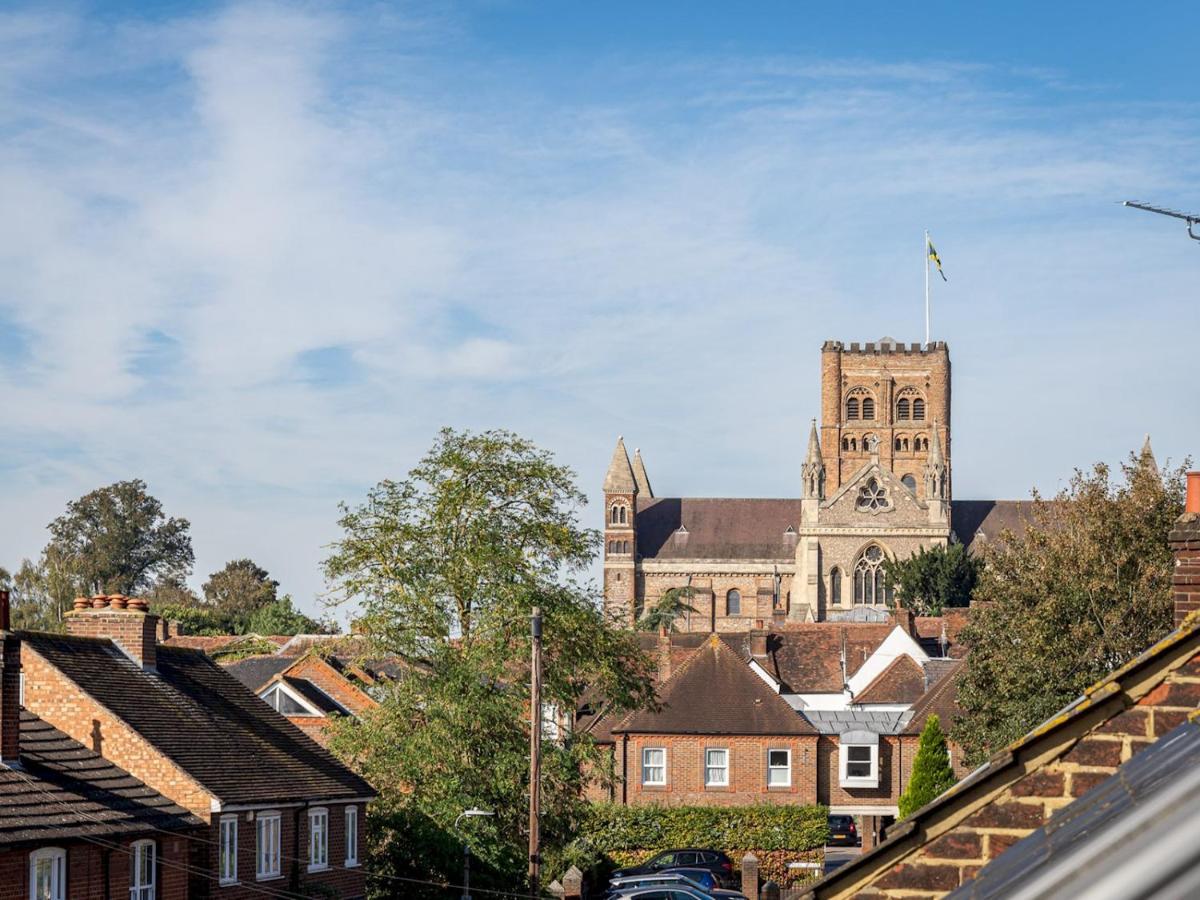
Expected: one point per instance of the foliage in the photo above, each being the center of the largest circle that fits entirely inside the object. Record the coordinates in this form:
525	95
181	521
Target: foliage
932	773
669	607
932	579
240	589
447	566
40	593
117	540
172	591
281	617
1083	589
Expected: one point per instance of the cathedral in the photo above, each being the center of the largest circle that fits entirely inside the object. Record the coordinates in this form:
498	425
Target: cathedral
875	484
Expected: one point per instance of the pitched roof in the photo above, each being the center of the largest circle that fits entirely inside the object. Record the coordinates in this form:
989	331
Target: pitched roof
63	790
1144	817
941	699
201	717
717	528
716	692
313	694
975	522
619	478
807	658
256	671
902	681
640	478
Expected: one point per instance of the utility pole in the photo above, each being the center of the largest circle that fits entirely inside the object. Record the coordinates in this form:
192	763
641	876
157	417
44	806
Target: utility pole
535	750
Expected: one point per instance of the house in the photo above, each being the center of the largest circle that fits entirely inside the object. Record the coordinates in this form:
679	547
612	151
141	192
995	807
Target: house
1032	786
72	824
279	813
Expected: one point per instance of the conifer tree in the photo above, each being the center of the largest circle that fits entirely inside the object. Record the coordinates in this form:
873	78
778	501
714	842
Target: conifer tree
931	771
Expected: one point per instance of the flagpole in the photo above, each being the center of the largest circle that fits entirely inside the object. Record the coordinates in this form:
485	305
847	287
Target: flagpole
926	288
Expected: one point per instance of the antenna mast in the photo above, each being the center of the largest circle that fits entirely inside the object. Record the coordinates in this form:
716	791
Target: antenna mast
1192	220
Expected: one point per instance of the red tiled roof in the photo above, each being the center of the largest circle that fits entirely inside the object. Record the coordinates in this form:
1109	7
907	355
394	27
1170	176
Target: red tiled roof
941	700
902	681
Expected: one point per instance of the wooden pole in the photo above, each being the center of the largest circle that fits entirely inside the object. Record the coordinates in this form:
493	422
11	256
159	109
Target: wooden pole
535	750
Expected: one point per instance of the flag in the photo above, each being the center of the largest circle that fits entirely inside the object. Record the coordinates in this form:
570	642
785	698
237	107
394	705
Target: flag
936	259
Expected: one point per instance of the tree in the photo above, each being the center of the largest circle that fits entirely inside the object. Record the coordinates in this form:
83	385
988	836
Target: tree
240	589
1082	590
669	607
932	579
281	617
117	540
447	566
932	773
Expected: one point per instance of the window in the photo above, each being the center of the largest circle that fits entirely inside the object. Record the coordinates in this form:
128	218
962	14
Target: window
318	839
619	514
733	603
909	482
873	497
654	766
281	701
48	874
351	835
229	828
903	409
868	409
835	586
859	752
141	874
870	581
918	409
625	547
716	768
852	408
267	826
779	768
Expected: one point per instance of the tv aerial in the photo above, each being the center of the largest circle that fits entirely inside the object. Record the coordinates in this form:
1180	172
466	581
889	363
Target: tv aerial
1192	220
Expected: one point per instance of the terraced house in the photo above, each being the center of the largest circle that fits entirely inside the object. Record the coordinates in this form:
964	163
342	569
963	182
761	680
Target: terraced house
269	809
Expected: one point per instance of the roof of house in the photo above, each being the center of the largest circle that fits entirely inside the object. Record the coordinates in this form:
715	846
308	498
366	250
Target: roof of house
1102	700
941	699
256	671
807	658
716	692
63	791
975	522
201	717
839	721
902	681
1147	809
313	694
716	528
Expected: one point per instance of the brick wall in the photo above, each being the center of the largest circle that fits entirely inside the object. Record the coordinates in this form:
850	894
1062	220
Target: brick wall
88	864
314	669
894	767
1184	541
954	857
134	631
747	770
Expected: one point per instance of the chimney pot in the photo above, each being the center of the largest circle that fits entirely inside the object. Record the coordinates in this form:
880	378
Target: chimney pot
118	601
82	603
138	604
1193	493
99	601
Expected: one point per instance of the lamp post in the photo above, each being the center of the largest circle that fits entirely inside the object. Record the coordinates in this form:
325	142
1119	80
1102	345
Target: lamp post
469	814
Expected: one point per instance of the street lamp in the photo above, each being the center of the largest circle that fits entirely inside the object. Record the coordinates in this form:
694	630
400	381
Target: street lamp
469	814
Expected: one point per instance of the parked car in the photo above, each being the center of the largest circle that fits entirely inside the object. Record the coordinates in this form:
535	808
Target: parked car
691	858
695	879
663	892
842	831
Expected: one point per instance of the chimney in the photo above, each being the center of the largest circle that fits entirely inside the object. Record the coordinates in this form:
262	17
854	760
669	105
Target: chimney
126	621
1184	541
5	611
906	620
758	644
664	655
10	687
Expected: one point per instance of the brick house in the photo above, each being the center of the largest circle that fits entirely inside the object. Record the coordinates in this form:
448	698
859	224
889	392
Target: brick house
74	825
945	844
279	812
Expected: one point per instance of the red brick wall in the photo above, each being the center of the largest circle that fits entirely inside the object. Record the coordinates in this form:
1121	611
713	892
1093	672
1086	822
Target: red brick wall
894	767
333	683
1184	541
747	770
86	864
136	632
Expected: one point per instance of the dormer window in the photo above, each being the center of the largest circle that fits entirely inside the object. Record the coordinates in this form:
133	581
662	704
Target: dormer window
858	759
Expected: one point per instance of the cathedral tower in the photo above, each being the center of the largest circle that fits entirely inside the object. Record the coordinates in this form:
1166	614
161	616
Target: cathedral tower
620	539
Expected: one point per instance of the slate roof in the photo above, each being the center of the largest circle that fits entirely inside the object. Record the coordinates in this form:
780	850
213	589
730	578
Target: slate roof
256	671
1134	813
837	721
975	522
65	791
901	681
716	528
716	692
201	717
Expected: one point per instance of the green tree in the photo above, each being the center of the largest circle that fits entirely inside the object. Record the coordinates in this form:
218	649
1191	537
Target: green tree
240	589
932	579
281	617
670	606
117	540
447	566
931	772
1081	590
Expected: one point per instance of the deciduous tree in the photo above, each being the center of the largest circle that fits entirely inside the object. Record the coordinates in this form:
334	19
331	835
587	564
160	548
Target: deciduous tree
240	589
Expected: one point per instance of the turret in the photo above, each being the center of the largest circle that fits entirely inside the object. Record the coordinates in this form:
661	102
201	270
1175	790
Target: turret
937	479
620	537
640	479
812	473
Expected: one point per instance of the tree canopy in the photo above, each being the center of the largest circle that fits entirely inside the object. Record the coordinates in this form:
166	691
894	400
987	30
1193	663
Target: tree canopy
932	773
447	566
932	579
240	589
1081	590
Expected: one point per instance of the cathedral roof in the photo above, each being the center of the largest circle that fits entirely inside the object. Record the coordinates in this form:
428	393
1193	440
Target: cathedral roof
975	522
619	479
717	528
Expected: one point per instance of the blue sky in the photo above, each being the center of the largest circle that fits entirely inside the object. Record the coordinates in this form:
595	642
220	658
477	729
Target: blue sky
257	254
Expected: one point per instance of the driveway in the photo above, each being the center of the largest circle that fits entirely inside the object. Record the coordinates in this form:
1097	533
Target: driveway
836	857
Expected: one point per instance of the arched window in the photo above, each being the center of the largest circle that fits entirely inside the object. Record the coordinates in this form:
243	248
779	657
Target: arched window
870	583
48	874
910	483
835	587
873	497
845	443
141	870
903	409
868	409
918	409
619	514
897	442
733	603
852	408
905	445
625	547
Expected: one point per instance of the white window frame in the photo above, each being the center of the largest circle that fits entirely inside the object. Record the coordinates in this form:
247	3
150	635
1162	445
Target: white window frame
647	766
871	780
786	769
279	688
318	839
710	767
267	858
57	857
351	836
228	852
138	889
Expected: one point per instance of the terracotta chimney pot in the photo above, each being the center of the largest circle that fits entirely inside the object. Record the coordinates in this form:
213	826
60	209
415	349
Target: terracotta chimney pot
118	601
99	601
1193	493
139	604
82	603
